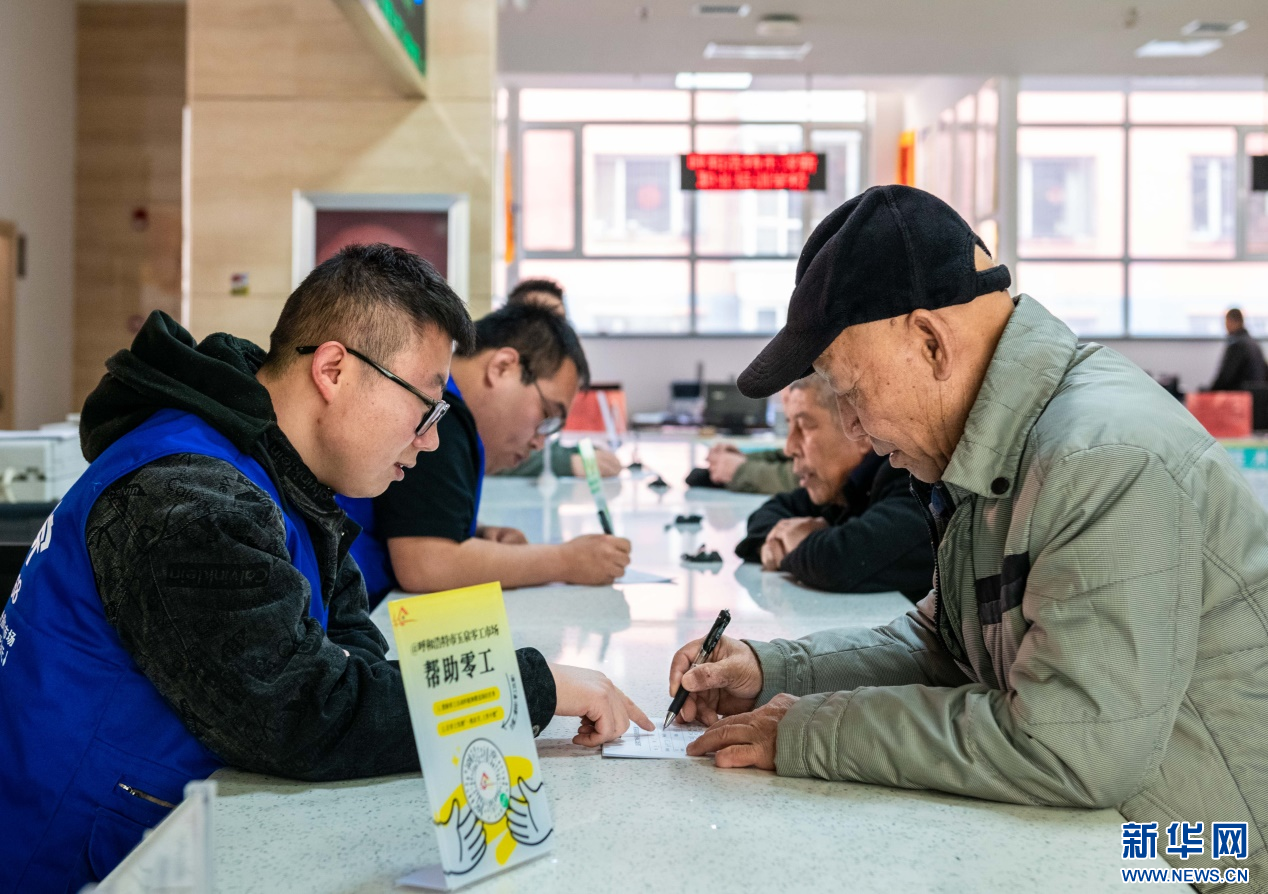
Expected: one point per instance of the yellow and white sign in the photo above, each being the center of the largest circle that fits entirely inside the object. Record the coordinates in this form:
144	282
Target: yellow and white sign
474	735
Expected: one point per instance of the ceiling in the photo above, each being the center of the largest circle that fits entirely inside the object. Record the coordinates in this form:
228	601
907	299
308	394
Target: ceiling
894	37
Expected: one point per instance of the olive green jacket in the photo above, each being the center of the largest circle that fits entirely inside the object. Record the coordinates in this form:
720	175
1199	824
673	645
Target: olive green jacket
1098	630
764	472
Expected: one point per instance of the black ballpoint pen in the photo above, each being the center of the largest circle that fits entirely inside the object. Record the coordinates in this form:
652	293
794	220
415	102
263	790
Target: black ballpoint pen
706	649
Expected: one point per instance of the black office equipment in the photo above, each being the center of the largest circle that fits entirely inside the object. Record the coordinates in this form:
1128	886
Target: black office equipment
729	410
1259	173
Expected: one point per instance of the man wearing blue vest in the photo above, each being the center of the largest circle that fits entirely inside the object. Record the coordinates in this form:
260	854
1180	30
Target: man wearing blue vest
507	394
191	603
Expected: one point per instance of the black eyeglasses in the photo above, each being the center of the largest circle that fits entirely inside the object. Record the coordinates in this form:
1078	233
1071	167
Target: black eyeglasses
551	421
436	409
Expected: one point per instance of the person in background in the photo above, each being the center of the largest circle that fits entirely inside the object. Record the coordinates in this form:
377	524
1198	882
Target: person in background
564	461
506	395
751	472
853	525
542	292
191	604
1243	360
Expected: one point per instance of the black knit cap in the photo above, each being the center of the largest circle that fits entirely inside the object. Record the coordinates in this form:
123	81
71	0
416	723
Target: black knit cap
884	253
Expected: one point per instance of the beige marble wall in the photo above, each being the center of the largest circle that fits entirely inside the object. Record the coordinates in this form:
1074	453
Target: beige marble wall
284	96
130	87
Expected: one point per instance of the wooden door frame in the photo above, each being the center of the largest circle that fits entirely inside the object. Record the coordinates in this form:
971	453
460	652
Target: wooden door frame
8	314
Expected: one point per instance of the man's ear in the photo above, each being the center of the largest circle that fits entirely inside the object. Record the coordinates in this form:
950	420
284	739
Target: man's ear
502	362
328	369
934	338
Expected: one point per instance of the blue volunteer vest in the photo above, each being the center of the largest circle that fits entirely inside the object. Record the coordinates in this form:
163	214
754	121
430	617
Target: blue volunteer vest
88	742
370	548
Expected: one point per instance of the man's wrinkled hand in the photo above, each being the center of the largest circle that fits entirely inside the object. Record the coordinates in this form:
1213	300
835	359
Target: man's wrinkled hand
791	532
745	740
728	683
723	462
773	554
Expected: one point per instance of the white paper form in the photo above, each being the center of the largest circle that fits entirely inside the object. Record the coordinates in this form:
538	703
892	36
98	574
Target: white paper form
670	743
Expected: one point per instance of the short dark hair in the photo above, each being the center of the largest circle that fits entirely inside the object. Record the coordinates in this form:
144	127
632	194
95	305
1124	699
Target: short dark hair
1235	315
543	339
367	297
526	286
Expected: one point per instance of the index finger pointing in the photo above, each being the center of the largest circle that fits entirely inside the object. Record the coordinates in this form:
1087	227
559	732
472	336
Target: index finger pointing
636	714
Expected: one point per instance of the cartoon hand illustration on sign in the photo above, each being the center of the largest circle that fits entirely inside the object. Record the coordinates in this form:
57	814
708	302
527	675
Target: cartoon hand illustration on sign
471	841
493	802
519	819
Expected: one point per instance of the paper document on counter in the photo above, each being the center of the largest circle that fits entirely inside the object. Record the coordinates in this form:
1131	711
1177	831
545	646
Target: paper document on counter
634	576
669	743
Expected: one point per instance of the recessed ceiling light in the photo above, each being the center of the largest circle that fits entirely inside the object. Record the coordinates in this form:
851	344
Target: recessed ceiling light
787	52
713	80
1157	49
779	24
738	10
1199	28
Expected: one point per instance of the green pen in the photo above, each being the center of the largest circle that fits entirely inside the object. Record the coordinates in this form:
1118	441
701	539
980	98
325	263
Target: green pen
591	465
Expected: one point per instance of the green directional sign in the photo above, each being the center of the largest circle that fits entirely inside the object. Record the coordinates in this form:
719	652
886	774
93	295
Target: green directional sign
396	31
408	21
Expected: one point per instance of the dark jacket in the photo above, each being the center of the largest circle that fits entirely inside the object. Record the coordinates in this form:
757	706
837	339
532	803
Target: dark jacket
1243	362
877	541
251	674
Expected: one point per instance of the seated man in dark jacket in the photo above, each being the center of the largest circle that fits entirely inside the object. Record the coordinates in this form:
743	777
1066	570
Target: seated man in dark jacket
853	525
1243	360
192	604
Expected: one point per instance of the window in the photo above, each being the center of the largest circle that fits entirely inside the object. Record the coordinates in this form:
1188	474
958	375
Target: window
1214	198
1060	195
547	160
1190	298
743	296
620	297
1070	192
1145	227
986	196
1070	107
1256	202
749	223
1182	192
844	152
598	105
652	259
632	196
1087	296
633	202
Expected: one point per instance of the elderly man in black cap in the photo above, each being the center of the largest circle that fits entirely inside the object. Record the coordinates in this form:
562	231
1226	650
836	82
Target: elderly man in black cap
1097	631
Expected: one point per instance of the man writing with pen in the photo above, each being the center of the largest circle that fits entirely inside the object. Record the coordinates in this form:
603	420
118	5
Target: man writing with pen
506	396
1095	635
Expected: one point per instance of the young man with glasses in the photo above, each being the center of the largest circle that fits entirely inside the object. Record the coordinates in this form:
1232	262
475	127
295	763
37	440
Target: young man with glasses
506	397
563	460
191	603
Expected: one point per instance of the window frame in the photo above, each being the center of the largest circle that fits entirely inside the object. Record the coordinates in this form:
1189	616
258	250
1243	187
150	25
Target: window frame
1127	259
692	256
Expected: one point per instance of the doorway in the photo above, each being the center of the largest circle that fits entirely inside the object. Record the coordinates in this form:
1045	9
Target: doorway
8	300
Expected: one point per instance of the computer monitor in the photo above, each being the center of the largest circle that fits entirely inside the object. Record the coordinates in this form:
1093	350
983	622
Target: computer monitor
727	408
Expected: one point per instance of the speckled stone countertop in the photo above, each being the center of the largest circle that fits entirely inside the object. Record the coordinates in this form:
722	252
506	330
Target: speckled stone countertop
662	824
